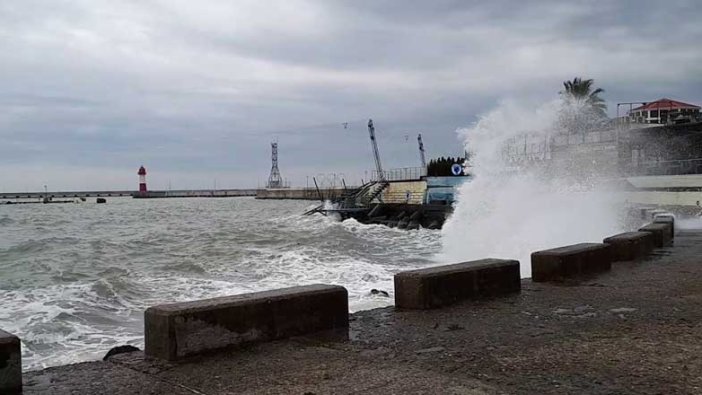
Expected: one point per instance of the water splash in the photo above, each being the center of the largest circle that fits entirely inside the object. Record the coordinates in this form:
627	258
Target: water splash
510	211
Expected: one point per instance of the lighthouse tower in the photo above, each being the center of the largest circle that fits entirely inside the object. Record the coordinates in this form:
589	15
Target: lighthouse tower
142	179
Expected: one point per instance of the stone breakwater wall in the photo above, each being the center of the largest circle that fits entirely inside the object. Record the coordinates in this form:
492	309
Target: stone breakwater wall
180	331
300	193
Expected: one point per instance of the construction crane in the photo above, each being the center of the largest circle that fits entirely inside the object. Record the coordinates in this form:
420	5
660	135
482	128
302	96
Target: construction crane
376	154
421	151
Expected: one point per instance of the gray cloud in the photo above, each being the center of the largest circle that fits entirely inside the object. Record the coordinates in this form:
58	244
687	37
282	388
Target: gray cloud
196	91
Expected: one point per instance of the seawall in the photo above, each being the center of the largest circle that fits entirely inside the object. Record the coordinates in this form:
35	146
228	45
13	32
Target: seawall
204	193
136	194
300	193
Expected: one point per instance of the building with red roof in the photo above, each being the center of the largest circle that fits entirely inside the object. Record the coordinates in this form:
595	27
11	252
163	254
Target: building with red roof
664	111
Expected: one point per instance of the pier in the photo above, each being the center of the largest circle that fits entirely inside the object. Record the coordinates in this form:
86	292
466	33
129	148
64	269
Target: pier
184	193
65	194
611	326
300	193
204	193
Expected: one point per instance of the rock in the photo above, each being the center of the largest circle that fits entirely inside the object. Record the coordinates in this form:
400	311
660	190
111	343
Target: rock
375	352
434	225
454	327
119	350
622	310
429	350
379	292
582	309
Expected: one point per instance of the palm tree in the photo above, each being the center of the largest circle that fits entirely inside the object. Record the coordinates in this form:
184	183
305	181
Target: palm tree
580	91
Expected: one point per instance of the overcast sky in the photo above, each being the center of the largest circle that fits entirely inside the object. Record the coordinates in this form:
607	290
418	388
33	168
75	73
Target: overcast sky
196	90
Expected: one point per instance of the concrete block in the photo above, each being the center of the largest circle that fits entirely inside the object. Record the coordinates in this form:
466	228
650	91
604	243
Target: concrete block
645	212
630	246
178	330
652	213
10	364
662	233
443	285
570	262
666	218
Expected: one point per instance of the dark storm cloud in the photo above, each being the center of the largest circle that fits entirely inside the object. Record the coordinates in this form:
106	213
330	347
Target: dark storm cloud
196	91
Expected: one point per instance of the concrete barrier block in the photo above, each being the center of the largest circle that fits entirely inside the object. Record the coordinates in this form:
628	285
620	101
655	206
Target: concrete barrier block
630	246
570	262
443	285
652	213
662	233
10	364
178	330
666	218
645	211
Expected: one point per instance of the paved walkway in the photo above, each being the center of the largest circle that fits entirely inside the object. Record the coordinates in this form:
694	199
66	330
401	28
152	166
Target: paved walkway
636	330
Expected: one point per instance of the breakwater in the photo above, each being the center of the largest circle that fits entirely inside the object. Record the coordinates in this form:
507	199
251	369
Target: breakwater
473	281
184	193
203	193
300	193
65	194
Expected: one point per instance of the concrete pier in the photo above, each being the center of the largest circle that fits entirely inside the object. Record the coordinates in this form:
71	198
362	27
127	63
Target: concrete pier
301	193
10	364
195	193
149	194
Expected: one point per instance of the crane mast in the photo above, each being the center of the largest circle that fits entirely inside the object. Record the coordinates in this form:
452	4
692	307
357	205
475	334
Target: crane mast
421	151
376	154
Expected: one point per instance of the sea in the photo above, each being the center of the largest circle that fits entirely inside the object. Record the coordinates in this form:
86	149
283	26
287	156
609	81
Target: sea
76	278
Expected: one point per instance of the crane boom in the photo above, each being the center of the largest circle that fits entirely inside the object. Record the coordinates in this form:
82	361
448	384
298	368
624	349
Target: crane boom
421	151
376	154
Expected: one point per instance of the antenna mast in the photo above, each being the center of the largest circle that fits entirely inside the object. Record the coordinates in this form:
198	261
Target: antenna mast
376	154
274	180
421	151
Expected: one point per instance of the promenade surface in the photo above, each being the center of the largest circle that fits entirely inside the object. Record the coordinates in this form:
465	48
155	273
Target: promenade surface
636	330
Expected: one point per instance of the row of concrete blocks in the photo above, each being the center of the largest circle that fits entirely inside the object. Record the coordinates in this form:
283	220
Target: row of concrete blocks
180	330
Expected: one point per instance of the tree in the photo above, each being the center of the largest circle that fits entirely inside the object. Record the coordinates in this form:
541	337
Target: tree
581	92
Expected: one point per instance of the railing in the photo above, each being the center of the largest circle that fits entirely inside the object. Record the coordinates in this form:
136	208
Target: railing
401	174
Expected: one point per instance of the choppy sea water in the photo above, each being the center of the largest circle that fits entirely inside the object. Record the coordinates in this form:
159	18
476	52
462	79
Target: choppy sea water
76	278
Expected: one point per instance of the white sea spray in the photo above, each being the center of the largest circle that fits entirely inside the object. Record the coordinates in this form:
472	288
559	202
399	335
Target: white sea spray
510	210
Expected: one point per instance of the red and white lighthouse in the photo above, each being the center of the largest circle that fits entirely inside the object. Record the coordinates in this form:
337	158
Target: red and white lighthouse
142	179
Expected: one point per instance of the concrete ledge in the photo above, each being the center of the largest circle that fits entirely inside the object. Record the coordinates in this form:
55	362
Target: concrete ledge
645	211
652	213
570	262
175	331
630	246
10	364
662	233
443	285
666	218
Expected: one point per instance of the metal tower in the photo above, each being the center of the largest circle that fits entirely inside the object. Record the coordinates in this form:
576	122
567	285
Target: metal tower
274	180
376	154
421	151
